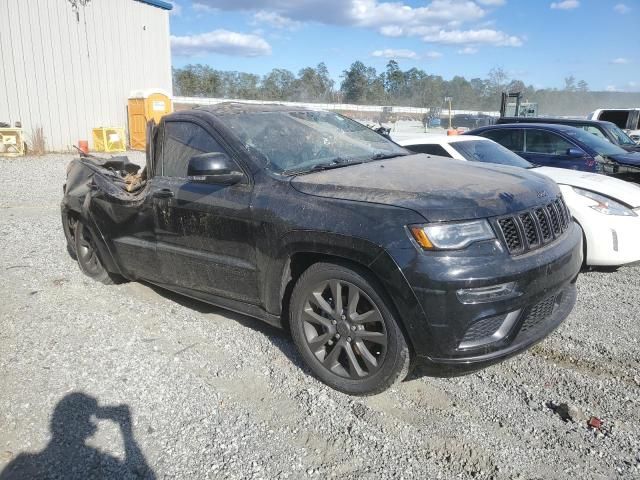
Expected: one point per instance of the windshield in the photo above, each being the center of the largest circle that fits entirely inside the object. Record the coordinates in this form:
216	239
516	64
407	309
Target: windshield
488	151
621	137
602	147
299	141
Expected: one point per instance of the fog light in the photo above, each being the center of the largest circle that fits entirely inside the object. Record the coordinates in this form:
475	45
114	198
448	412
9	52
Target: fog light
494	293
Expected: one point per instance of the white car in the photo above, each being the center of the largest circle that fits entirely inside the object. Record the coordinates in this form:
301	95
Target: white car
607	209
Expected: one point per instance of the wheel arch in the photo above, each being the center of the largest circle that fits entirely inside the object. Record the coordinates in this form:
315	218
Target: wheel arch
300	253
83	215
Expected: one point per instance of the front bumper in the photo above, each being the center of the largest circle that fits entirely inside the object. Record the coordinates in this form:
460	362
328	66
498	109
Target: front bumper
611	240
545	279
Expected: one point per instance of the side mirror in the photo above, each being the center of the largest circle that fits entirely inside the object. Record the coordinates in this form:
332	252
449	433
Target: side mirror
214	168
575	152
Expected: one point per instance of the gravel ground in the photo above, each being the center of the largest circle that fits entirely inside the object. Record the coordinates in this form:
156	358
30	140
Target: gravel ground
213	394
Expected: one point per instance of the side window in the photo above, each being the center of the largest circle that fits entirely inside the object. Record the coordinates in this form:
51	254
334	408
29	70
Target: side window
157	149
539	141
511	138
183	140
593	130
619	117
431	149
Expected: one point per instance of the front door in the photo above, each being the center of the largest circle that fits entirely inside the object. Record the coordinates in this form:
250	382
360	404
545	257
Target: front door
205	234
546	148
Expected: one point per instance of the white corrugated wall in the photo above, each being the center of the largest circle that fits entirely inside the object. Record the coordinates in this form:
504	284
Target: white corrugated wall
70	76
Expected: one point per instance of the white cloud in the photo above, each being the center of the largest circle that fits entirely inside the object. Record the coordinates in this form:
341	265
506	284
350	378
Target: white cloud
468	51
621	8
395	53
390	18
565	5
611	88
433	55
202	8
220	41
484	36
275	20
620	61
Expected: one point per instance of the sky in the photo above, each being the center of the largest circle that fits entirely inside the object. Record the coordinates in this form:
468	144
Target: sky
538	41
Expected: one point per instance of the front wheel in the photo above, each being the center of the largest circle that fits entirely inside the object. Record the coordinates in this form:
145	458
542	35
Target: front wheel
346	331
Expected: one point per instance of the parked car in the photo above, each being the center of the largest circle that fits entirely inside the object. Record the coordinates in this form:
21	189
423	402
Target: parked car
563	146
467	120
607	209
607	130
626	118
373	257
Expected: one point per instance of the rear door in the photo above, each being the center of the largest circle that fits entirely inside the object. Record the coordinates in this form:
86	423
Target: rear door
547	148
205	235
510	138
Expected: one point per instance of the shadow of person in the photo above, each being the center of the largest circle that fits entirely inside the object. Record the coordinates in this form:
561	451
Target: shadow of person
68	457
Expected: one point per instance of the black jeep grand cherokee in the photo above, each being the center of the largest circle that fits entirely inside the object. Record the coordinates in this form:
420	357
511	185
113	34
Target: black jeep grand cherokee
374	258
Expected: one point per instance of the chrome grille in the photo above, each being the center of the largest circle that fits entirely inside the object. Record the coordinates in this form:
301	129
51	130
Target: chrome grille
533	228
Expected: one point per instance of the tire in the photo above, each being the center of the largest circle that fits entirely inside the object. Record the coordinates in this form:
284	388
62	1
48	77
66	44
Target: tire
88	258
69	227
354	345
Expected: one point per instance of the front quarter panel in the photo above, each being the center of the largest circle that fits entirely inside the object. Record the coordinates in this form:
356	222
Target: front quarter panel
610	240
291	222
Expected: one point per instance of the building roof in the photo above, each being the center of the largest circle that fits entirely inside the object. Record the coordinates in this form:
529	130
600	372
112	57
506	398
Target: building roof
158	3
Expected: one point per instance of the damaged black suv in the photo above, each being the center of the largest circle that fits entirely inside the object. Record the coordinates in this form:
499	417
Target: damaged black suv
375	258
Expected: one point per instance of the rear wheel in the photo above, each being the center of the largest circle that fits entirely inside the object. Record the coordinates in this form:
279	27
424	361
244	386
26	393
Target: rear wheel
69	226
88	258
346	331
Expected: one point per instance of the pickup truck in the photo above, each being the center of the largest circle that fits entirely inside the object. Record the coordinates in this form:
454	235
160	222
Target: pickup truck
375	259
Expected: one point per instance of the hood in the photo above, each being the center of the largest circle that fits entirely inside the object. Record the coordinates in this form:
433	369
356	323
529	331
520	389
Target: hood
625	192
630	159
439	189
631	148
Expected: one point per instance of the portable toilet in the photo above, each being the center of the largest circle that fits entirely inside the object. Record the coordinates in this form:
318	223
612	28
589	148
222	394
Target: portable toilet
144	106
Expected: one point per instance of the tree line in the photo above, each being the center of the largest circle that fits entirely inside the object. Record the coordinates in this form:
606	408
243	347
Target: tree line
362	84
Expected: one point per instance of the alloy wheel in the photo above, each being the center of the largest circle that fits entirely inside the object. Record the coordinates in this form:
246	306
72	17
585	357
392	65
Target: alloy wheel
344	329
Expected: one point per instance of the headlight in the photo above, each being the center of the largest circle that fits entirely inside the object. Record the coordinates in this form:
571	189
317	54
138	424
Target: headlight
603	204
451	236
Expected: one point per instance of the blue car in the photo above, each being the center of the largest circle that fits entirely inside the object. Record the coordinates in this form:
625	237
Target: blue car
563	146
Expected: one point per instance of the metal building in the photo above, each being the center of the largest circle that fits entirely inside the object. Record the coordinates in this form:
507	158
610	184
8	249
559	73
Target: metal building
69	65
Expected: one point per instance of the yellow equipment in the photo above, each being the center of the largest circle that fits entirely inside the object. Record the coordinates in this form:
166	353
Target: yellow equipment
109	139
11	142
144	106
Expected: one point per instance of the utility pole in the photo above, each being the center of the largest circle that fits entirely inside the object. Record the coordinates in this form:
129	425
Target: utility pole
448	99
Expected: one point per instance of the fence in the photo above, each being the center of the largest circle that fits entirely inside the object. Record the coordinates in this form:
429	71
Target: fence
326	106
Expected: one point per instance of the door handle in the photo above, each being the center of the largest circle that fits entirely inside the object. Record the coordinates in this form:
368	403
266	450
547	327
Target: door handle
164	193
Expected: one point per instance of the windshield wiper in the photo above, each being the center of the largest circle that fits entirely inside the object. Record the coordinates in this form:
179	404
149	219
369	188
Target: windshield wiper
382	156
337	162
